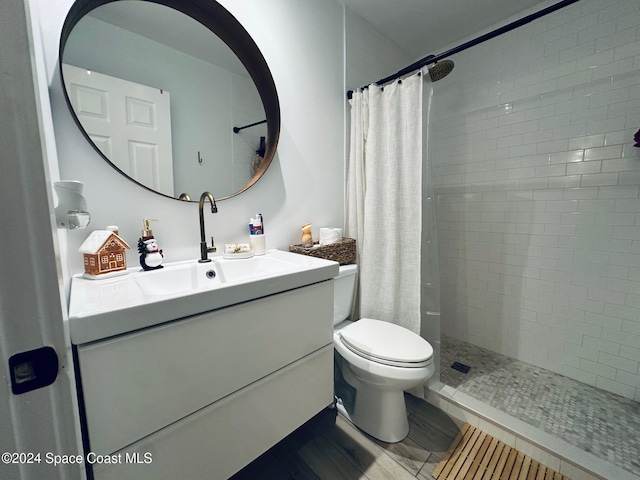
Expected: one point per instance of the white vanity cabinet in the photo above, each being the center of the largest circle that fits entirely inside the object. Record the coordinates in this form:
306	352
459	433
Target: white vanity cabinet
200	397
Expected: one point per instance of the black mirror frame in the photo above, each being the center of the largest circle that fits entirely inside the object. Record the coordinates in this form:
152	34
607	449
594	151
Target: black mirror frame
217	19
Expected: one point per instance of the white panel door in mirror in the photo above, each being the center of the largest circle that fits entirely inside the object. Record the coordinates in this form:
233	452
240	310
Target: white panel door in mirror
130	124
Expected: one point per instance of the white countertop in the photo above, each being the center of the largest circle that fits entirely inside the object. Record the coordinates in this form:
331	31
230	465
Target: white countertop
106	307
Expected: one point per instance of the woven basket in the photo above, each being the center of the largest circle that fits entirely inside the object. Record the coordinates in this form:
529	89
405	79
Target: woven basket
343	251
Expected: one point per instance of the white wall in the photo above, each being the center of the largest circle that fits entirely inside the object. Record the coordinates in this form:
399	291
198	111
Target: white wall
370	55
302	42
538	194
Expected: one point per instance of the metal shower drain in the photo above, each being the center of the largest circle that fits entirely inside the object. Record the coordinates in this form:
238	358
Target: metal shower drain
461	367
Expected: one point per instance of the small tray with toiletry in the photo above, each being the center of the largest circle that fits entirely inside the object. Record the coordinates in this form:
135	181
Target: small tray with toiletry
237	250
342	251
229	256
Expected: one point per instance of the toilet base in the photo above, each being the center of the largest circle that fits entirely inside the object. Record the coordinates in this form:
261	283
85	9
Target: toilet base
380	413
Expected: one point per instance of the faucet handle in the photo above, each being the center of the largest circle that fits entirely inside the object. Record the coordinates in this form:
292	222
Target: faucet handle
212	248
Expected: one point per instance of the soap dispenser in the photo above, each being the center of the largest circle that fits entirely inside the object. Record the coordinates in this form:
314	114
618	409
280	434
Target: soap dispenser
150	256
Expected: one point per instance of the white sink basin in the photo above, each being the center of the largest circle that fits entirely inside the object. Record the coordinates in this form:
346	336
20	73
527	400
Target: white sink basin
242	270
106	307
192	276
179	278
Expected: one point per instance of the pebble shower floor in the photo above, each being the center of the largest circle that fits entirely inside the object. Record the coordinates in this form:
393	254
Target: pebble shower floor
591	419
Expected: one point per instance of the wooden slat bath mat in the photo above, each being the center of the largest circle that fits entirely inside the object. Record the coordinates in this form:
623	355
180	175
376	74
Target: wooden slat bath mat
474	455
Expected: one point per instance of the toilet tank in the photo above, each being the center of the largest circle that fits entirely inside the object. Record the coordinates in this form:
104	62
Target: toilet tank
344	286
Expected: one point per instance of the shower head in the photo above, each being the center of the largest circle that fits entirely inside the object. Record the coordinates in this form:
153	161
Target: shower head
439	70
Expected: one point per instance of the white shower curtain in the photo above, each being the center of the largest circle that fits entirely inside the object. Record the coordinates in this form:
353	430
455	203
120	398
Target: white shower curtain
384	199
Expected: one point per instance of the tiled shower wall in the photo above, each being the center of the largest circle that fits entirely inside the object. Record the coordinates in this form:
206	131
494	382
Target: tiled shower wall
537	187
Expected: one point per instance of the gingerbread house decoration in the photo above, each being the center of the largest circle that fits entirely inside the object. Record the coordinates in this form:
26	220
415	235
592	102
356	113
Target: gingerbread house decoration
104	252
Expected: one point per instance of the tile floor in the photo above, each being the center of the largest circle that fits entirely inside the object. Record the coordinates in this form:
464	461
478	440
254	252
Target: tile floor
328	447
599	422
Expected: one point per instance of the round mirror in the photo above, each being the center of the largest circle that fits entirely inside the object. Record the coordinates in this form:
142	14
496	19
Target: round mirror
174	94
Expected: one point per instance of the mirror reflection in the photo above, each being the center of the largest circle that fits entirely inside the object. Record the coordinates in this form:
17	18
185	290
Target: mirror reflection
159	95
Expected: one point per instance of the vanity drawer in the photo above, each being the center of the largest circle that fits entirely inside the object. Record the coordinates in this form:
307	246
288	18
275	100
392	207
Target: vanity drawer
137	384
219	440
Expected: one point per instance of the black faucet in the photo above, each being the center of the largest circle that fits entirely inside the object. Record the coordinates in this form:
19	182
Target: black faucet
204	250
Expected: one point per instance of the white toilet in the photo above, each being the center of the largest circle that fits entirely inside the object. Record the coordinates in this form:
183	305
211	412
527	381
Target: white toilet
380	360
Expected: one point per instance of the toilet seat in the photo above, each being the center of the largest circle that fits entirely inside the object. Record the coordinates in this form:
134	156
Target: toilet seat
386	343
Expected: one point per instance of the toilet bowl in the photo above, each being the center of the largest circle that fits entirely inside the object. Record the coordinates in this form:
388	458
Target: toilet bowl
379	360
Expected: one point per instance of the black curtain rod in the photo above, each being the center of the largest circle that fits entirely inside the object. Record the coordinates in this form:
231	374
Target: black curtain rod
237	129
431	59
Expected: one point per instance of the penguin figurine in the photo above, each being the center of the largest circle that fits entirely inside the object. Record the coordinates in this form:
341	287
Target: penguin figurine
150	256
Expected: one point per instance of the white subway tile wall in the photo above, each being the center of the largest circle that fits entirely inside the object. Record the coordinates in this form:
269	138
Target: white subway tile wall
538	194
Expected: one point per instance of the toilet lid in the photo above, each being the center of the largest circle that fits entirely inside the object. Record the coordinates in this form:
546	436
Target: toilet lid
386	341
